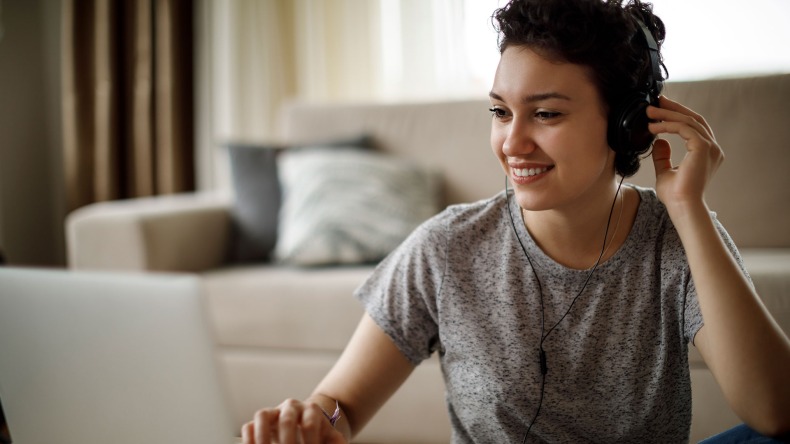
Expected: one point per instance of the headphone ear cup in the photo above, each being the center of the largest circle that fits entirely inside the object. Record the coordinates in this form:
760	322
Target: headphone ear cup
628	125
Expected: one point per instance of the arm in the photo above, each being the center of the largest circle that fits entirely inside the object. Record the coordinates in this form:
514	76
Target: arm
368	372
744	348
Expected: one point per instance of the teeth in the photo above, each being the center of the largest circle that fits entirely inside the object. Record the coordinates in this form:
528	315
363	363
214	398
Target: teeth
526	172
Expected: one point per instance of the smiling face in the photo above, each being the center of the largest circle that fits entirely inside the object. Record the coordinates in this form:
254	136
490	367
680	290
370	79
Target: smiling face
549	132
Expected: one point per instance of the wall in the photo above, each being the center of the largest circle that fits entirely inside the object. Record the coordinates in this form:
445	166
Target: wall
31	210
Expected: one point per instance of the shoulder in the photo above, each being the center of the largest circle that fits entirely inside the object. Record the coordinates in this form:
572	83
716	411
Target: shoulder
650	203
474	215
460	226
653	230
654	224
465	217
473	211
658	212
652	216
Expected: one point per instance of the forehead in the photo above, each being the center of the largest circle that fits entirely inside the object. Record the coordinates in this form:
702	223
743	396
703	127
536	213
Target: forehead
523	71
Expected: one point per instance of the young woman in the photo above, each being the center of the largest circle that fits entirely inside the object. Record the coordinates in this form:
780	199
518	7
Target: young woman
562	310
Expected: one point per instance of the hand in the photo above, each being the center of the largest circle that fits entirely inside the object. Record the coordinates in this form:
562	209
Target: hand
685	183
292	422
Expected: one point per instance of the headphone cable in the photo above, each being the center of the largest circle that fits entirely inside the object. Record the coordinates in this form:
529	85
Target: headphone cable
543	333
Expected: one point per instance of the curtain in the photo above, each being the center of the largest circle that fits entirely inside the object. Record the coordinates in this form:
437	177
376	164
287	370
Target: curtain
256	54
127	98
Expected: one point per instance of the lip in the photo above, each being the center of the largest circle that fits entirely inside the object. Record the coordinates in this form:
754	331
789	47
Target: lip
523	180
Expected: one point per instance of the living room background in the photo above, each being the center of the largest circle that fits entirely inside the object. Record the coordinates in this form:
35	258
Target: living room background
253	54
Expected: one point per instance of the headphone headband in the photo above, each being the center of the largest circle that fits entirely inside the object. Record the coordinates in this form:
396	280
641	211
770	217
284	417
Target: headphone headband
627	128
655	81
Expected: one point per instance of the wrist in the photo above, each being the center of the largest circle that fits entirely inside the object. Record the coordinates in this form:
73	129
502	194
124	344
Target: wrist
695	226
335	416
330	408
681	211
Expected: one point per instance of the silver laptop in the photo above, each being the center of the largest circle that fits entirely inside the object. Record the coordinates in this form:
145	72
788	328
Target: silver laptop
100	358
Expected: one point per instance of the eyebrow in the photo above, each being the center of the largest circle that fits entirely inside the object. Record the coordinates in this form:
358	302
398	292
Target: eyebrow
533	97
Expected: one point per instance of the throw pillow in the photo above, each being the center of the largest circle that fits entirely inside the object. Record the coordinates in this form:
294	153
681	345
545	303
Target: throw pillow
256	186
349	206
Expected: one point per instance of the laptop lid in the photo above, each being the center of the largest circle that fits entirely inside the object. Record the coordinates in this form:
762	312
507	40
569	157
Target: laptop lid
89	357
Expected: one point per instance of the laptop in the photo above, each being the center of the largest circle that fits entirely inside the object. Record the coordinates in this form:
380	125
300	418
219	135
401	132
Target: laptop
99	358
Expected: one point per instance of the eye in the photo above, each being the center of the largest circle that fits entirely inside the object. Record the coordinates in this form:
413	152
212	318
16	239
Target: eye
546	115
497	112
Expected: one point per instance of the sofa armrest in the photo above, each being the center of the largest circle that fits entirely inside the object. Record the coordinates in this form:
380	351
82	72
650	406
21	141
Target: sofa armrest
184	232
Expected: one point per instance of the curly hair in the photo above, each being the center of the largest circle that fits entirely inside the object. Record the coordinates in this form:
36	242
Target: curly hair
599	34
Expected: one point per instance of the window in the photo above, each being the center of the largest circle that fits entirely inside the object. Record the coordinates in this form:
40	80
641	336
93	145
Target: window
450	48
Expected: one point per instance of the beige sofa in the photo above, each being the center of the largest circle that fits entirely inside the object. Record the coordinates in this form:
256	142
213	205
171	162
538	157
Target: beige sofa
278	329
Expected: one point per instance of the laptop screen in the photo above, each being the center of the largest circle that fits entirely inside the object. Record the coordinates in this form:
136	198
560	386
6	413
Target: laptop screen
89	357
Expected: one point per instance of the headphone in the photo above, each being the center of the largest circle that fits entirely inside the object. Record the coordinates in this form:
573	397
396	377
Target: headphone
627	130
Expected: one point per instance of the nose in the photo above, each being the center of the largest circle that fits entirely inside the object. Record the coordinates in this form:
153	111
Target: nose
519	139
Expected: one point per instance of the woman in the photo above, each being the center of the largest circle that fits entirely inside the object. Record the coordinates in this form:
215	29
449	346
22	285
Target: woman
562	311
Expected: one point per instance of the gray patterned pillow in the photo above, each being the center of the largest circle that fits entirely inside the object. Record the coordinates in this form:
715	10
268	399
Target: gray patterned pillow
346	206
254	215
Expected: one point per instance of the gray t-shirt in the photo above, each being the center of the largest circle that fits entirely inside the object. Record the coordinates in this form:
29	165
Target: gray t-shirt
617	363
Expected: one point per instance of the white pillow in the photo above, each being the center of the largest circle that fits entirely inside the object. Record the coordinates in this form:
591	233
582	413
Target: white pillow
346	206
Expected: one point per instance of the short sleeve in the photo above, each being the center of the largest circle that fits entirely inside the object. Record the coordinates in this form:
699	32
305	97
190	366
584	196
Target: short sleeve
400	295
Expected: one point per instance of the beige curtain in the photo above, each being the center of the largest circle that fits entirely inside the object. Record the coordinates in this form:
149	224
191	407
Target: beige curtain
254	55
263	52
127	98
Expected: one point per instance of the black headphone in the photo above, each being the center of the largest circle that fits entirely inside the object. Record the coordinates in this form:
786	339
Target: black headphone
627	129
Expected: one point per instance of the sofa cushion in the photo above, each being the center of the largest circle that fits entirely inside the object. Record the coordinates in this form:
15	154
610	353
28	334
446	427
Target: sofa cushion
256	186
768	268
284	307
349	206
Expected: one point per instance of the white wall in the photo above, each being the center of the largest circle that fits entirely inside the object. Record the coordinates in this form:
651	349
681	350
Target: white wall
705	38
725	38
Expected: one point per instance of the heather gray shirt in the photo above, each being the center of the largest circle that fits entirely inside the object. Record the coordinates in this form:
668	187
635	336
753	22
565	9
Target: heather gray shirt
618	370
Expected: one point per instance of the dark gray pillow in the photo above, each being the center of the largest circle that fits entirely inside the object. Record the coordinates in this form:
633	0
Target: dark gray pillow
256	185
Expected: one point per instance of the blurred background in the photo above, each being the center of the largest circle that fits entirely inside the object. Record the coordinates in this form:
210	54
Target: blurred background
104	100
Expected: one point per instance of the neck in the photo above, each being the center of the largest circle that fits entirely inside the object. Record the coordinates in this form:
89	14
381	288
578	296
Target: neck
574	236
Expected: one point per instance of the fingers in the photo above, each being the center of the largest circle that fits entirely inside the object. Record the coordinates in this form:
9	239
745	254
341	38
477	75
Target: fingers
248	433
674	118
686	182
292	422
290	417
669	110
264	429
662	156
688	126
688	131
313	423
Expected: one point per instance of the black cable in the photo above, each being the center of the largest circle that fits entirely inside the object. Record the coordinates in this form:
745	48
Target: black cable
544	369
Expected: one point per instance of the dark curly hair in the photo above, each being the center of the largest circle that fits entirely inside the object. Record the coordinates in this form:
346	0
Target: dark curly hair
599	34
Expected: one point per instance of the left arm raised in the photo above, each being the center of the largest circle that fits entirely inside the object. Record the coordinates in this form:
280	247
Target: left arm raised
744	348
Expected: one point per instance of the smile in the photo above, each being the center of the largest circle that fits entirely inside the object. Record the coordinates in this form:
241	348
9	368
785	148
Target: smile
528	172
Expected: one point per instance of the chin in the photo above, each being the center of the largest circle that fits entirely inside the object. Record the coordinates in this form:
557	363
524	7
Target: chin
532	201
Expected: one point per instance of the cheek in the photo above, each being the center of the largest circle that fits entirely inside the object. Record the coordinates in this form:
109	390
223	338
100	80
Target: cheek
599	146
497	140
588	141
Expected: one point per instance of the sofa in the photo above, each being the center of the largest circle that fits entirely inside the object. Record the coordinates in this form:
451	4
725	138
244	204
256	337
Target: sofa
279	327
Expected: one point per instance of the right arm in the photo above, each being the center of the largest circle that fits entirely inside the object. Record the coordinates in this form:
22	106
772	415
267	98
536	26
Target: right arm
368	372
